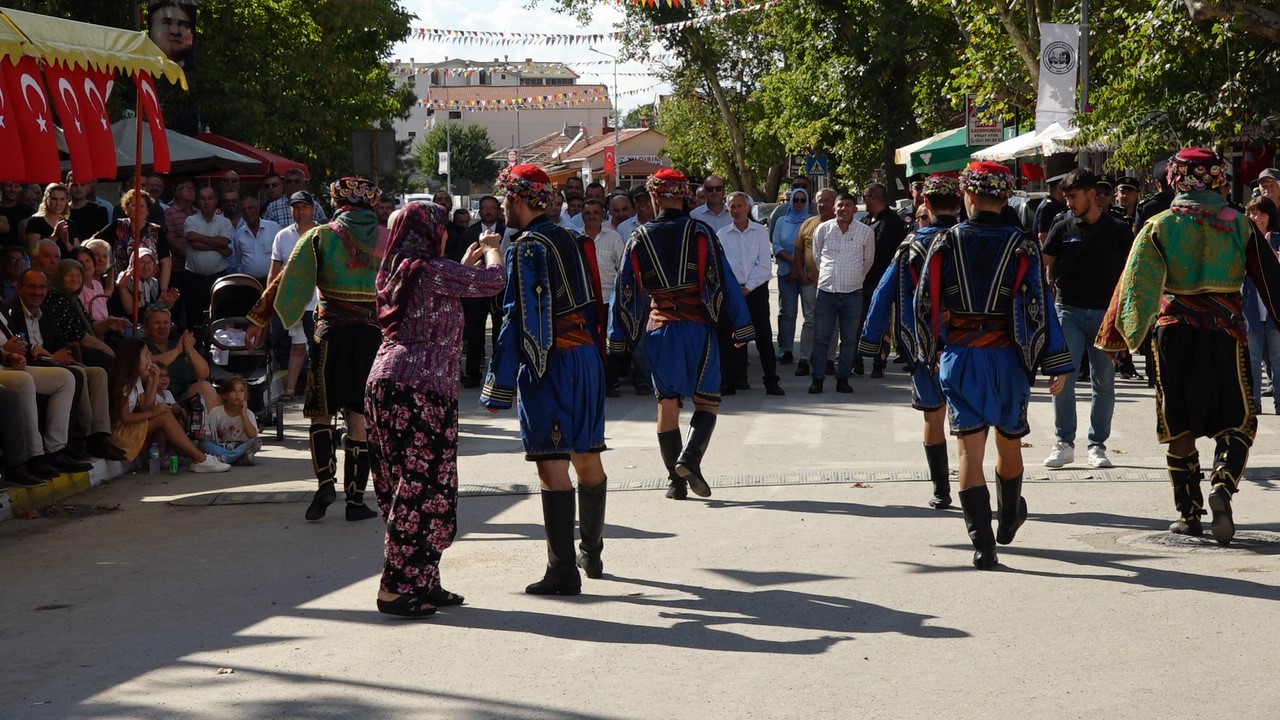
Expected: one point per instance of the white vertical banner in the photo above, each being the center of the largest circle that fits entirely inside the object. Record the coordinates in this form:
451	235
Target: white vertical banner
1059	66
443	169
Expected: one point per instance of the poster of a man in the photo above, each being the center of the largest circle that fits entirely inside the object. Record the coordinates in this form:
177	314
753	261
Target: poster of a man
172	27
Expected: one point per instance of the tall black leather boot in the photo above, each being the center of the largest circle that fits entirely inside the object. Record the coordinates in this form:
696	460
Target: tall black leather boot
324	460
940	474
670	444
1185	477
976	503
355	478
689	464
1011	508
1229	458
591	502
561	577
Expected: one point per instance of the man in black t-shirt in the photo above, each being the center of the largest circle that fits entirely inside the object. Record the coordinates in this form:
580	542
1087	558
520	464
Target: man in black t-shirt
1049	209
87	216
1084	257
14	211
890	231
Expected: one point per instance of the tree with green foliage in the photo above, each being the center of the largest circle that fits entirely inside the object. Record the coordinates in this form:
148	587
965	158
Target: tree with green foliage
861	78
1162	74
470	148
643	116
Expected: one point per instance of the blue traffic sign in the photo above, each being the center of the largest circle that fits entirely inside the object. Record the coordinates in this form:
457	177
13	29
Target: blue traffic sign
816	165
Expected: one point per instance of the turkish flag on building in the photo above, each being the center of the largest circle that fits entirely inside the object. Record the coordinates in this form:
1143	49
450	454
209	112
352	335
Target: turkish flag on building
610	159
34	120
155	121
97	88
67	84
14	168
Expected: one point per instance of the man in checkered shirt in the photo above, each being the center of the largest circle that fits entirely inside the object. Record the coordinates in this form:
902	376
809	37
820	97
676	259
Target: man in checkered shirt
843	250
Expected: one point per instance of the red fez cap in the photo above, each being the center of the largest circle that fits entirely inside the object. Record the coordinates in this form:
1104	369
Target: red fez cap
988	166
670	175
531	172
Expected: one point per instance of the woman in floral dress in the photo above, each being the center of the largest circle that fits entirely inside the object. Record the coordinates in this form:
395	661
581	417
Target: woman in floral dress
411	400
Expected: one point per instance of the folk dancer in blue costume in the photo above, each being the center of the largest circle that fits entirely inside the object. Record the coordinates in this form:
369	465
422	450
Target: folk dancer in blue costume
550	350
985	320
692	295
893	307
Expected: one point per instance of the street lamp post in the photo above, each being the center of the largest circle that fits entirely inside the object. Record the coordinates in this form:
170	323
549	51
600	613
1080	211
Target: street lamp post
617	166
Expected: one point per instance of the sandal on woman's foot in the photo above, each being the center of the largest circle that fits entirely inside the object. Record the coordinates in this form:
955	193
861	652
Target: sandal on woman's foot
440	597
407	605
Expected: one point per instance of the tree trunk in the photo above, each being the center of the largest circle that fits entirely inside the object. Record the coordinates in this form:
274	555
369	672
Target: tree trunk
1022	42
740	170
1246	17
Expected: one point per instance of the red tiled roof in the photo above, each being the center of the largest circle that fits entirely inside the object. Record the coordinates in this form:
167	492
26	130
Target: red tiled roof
600	142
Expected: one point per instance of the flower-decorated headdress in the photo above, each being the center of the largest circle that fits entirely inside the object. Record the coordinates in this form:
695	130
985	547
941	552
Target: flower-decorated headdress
355	191
942	184
668	183
529	182
1196	169
987	178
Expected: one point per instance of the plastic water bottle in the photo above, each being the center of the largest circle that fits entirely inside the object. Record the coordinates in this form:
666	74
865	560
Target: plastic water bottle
153	459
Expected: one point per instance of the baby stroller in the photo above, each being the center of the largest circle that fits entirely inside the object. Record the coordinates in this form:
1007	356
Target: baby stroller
230	300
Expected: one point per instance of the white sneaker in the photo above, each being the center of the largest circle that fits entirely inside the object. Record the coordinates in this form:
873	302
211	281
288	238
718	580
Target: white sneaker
1098	457
211	464
1062	454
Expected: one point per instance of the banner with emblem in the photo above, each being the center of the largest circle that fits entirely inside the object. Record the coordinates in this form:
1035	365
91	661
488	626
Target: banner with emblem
1059	66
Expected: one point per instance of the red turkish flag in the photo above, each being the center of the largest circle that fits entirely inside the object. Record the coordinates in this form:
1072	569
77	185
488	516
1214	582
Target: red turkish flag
96	88
14	169
155	120
35	121
610	159
66	83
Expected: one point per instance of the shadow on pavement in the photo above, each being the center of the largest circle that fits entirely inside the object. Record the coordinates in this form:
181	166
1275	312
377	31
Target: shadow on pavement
836	508
332	697
1122	568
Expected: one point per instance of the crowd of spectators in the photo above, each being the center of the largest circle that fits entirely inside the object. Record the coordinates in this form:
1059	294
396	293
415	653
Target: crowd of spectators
74	290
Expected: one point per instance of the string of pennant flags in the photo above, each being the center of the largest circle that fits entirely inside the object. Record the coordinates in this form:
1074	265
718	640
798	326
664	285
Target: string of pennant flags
586	95
501	106
513	68
493	37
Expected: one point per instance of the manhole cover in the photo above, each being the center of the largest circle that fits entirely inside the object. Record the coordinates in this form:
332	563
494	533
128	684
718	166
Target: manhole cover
1258	542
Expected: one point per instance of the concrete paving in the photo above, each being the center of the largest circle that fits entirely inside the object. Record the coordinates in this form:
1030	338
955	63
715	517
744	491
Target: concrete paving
815	583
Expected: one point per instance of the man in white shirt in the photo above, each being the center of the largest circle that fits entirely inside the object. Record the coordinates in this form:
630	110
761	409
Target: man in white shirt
252	240
620	211
715	212
209	247
304	212
609	248
750	254
843	250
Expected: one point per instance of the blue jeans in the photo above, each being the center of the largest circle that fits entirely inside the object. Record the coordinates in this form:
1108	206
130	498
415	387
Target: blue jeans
788	301
640	371
830	308
1080	326
1264	344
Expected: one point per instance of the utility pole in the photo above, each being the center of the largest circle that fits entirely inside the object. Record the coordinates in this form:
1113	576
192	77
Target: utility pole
617	118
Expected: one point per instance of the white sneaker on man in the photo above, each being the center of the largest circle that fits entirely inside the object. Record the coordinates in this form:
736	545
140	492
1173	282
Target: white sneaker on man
211	464
1063	453
1098	457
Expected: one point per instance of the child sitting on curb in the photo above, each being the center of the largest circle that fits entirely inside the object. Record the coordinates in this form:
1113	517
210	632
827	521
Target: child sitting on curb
230	430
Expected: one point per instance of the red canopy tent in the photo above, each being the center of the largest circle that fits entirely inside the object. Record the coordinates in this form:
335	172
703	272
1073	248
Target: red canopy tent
270	162
79	62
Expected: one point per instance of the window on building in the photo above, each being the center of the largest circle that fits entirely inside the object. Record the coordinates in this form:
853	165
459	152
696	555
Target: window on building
455	114
435	77
485	78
